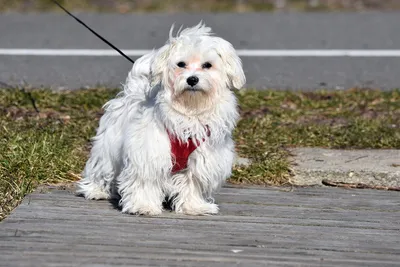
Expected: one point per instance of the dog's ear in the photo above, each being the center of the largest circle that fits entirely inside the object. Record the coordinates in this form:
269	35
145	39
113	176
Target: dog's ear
232	62
159	65
160	62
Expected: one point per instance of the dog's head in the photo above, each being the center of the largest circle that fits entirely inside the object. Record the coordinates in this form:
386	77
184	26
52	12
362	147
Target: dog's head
195	68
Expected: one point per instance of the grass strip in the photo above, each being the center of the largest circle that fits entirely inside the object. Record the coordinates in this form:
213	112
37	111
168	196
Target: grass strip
50	144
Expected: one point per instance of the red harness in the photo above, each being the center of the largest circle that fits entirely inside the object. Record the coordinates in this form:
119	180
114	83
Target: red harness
181	151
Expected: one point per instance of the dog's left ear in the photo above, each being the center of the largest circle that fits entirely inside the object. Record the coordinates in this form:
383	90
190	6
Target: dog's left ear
232	62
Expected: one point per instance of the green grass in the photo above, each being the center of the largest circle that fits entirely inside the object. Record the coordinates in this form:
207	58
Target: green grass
51	146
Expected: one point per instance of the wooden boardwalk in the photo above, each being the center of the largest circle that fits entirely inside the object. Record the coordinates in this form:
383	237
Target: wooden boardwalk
256	227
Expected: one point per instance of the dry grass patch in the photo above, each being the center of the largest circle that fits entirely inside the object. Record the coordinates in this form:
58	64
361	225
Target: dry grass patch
128	6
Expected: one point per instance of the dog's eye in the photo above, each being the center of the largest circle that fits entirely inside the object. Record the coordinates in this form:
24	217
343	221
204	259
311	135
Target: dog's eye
207	65
181	64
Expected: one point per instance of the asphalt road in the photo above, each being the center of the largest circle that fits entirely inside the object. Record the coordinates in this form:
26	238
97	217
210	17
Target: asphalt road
246	31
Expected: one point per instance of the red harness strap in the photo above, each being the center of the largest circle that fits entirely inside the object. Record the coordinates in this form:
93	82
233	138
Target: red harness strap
181	151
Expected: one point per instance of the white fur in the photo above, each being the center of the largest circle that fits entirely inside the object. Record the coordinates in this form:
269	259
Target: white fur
131	154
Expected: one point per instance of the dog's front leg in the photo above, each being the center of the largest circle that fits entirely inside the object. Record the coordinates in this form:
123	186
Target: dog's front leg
189	197
141	192
208	168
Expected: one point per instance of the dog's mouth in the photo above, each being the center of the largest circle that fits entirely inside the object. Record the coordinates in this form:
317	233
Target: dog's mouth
193	89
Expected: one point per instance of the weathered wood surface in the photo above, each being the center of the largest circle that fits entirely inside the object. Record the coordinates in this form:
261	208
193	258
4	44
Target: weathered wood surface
256	227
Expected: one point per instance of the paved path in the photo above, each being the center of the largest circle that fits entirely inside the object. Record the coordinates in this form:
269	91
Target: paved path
246	31
371	167
256	227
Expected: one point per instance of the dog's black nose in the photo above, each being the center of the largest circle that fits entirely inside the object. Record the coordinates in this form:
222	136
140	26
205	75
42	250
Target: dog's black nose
192	80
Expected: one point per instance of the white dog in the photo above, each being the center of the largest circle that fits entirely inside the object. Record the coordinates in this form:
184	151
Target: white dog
168	134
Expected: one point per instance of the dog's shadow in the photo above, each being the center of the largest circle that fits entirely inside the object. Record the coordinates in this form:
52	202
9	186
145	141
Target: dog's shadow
167	203
115	200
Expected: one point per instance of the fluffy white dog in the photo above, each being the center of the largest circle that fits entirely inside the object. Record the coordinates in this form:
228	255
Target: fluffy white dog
168	134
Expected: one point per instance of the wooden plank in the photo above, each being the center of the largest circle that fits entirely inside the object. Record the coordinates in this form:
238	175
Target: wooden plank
334	221
256	227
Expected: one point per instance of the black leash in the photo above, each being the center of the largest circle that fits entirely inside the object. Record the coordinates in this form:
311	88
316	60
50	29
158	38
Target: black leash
95	33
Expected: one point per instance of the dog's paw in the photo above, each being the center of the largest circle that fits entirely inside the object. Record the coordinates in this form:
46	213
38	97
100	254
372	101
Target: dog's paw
97	195
143	210
203	209
92	192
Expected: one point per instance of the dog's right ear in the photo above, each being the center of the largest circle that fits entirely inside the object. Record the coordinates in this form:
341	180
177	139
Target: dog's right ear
159	65
160	62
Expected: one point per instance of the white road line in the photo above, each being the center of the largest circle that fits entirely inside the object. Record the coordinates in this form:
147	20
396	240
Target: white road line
241	52
69	52
319	53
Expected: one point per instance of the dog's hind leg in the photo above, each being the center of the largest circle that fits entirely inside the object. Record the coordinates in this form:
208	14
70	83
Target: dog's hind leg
101	168
98	176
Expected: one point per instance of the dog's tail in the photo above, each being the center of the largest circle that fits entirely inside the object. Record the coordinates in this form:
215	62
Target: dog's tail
142	66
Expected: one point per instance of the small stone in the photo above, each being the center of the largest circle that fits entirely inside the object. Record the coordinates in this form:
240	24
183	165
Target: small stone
242	161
